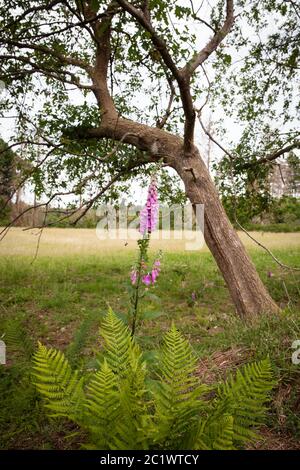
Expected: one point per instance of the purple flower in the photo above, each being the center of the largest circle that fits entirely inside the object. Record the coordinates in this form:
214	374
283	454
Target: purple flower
149	214
133	276
194	296
154	274
270	274
157	263
147	279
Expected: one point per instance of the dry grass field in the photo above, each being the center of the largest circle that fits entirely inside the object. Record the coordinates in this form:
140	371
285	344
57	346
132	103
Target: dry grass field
69	242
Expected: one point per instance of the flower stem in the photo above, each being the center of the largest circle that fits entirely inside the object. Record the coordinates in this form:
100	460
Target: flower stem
136	297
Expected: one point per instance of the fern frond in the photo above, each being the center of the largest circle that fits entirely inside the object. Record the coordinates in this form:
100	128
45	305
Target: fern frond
118	342
178	397
124	359
222	433
134	428
123	409
178	364
244	398
194	438
80	339
58	384
102	405
17	339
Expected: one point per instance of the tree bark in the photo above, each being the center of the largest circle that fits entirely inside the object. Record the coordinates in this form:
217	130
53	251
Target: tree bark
247	291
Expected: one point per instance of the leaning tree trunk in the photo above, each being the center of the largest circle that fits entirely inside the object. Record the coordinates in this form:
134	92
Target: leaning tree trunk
248	293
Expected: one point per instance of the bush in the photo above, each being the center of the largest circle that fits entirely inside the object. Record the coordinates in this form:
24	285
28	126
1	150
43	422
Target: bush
121	406
276	228
277	215
286	210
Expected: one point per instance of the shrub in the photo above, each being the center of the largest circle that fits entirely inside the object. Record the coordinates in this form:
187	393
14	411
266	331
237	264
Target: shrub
122	407
275	228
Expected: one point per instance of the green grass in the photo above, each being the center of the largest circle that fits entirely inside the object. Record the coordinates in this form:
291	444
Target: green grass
61	302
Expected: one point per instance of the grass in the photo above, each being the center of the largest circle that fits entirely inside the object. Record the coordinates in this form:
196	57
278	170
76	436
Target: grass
57	242
61	299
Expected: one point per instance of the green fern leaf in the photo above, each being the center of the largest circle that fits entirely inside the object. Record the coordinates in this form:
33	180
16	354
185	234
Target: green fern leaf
123	409
103	409
124	358
118	343
222	432
134	428
244	398
178	396
56	382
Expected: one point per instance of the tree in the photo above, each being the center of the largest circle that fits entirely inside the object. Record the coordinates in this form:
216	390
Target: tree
136	67
293	170
7	177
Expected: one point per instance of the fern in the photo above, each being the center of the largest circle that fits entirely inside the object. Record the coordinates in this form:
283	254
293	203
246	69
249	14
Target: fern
242	398
61	387
177	399
122	408
103	406
17	338
80	339
222	435
125	359
133	429
246	395
118	343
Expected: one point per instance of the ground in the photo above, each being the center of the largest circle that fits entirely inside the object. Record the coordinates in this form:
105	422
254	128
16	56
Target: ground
60	296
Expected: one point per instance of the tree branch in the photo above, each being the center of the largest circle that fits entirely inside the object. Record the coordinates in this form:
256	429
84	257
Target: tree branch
196	17
274	155
161	122
157	40
212	44
104	189
212	138
36	9
182	80
99	73
47	51
37	68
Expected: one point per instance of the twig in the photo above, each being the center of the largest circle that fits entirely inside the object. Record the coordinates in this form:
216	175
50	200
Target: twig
39	237
230	155
282	265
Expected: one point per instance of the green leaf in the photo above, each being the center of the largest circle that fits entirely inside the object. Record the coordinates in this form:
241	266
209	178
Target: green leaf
227	59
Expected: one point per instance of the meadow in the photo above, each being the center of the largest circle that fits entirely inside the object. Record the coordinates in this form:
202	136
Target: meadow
59	293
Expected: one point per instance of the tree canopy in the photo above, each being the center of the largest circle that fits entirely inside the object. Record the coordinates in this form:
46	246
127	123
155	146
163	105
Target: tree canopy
166	62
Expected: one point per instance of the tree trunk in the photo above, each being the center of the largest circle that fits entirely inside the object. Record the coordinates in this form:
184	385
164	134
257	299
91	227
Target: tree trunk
248	293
